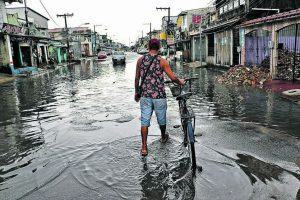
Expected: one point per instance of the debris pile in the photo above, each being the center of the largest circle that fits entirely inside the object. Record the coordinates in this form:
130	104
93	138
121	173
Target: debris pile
286	64
241	75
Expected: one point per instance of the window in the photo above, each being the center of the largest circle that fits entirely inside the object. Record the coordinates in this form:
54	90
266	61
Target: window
226	8
236	3
242	2
230	6
211	45
221	10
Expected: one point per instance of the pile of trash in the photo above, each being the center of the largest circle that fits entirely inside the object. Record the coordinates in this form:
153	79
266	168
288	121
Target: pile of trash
241	75
286	63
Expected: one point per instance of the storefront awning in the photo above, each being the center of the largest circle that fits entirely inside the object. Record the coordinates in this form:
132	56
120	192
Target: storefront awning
223	25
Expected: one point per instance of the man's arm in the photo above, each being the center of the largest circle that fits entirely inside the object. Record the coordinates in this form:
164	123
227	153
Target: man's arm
166	67
137	74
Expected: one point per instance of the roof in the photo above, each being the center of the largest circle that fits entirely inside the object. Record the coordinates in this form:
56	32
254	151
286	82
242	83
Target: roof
16	8
223	25
197	10
272	18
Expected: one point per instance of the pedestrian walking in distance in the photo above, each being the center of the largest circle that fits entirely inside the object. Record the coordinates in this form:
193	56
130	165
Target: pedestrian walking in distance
150	91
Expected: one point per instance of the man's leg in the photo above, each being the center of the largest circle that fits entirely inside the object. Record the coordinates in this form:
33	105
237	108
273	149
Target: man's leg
144	133
146	113
160	107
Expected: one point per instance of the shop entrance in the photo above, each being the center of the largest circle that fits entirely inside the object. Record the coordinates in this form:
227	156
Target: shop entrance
26	56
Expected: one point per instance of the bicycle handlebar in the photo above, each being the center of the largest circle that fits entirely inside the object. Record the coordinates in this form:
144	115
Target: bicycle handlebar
185	79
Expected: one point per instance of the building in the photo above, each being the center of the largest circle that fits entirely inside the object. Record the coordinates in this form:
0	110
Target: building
24	44
79	38
187	36
273	42
223	29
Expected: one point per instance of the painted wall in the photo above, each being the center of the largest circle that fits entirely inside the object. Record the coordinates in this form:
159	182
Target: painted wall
223	47
40	21
4	54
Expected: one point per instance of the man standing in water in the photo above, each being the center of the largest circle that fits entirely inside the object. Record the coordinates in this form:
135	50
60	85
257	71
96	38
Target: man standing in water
150	69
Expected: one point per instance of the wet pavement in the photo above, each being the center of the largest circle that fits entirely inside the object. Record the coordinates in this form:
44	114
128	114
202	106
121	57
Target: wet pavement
74	134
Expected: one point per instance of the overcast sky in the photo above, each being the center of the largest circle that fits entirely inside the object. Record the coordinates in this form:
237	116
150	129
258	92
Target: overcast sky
123	19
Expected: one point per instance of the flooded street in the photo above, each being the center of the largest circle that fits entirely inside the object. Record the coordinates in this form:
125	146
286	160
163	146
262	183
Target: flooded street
74	134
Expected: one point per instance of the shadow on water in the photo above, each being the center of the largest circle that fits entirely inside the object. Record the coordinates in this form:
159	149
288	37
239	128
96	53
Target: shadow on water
258	169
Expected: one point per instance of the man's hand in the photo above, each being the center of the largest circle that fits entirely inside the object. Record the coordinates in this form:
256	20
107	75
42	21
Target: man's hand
181	81
137	97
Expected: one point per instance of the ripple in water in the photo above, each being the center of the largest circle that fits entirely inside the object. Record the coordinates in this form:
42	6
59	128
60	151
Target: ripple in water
119	172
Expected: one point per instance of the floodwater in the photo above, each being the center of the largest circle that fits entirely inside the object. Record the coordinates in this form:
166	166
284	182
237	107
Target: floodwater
74	134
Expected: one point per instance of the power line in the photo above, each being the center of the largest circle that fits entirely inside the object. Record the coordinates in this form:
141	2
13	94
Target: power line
48	13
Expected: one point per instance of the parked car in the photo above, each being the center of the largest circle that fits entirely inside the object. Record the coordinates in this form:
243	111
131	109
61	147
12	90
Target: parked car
118	57
142	51
109	52
102	55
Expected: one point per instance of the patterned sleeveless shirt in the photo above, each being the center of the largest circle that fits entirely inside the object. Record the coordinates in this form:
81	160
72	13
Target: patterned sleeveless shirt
153	86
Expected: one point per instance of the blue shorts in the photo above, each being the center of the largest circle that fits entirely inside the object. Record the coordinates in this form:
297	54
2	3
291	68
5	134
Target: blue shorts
147	107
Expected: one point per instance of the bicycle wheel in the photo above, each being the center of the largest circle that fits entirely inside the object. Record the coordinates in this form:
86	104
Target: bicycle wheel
191	142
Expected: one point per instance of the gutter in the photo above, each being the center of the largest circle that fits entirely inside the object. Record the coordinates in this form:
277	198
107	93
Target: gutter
266	9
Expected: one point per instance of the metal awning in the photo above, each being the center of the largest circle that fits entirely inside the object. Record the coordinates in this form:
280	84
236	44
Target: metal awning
224	25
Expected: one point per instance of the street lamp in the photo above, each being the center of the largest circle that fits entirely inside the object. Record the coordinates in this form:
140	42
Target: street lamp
94	48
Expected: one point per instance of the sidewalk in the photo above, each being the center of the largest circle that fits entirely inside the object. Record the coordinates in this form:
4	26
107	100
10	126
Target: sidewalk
4	78
195	64
279	86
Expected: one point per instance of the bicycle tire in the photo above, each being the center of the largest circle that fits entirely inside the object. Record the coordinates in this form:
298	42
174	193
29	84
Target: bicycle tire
191	141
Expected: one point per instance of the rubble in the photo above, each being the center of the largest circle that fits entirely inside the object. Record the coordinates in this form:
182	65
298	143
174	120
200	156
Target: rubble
286	64
241	75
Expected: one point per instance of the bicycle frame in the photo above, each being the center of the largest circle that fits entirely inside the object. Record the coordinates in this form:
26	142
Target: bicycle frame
188	119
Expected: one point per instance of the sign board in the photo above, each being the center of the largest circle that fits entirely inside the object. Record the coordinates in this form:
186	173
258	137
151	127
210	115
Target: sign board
196	19
11	29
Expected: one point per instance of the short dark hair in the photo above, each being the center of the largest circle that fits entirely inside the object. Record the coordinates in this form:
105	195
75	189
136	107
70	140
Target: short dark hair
154	44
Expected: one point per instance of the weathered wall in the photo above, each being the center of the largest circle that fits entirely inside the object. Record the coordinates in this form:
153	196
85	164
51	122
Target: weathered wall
4	55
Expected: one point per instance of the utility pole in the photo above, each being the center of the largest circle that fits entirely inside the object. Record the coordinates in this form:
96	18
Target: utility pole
67	31
169	13
168	22
26	17
150	33
95	38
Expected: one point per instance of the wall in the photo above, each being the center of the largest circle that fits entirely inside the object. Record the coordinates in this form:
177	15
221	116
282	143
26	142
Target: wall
40	21
223	48
4	54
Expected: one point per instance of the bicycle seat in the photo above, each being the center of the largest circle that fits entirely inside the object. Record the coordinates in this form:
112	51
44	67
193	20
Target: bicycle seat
184	96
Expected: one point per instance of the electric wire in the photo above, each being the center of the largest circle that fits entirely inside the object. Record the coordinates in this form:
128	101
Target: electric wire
48	13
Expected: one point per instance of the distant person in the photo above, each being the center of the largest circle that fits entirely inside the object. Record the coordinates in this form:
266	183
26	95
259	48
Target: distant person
150	69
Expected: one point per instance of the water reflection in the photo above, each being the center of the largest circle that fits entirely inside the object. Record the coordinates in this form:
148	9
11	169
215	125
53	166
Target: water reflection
78	128
228	102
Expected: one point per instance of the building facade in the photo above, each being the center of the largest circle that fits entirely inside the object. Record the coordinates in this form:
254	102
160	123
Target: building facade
224	32
273	43
24	45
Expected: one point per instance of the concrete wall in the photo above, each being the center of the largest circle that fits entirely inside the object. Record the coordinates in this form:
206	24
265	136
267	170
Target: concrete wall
40	21
3	18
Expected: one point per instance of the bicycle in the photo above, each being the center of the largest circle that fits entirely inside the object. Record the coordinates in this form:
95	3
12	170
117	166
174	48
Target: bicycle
188	119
